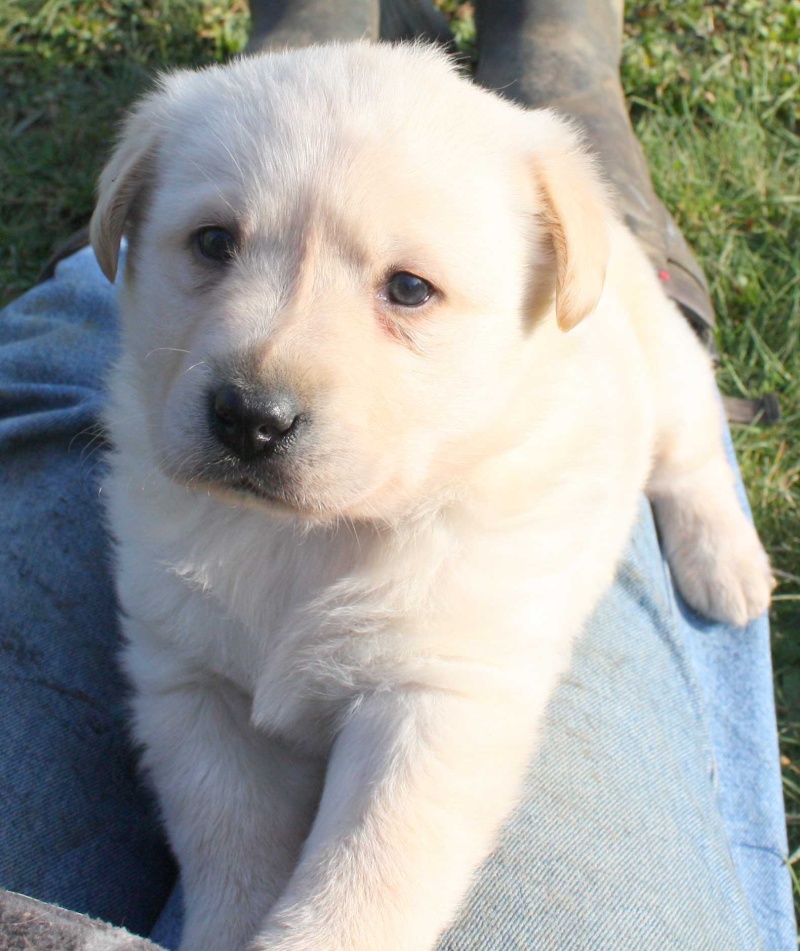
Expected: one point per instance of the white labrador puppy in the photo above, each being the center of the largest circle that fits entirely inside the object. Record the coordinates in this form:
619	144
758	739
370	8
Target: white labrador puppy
393	378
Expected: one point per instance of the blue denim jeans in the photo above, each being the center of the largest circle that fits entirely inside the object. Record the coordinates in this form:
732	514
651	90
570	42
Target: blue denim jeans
652	816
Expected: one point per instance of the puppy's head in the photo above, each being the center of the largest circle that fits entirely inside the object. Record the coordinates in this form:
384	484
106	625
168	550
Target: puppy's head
339	259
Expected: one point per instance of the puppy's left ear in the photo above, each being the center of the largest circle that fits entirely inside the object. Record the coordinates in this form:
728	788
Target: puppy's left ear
576	213
122	180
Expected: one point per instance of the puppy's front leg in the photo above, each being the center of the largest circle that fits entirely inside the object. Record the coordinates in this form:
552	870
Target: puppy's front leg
713	550
417	785
237	805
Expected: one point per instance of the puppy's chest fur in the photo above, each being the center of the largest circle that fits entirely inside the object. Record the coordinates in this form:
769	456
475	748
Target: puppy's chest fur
301	622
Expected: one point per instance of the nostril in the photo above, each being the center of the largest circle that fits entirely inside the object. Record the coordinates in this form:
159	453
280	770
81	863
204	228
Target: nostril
229	404
279	417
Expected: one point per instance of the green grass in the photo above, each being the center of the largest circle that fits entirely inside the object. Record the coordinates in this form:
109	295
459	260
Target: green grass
68	69
714	90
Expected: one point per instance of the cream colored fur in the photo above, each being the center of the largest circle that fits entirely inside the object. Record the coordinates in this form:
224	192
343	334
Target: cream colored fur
337	692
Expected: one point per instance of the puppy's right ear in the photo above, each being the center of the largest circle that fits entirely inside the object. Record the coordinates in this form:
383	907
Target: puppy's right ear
130	168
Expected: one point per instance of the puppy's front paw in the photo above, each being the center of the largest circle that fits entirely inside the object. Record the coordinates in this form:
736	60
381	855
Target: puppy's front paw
720	566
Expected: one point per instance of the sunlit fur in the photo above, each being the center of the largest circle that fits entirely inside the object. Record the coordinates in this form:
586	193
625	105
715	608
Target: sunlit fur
337	691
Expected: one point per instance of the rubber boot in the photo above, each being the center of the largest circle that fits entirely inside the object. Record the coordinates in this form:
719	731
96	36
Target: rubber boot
278	24
415	19
565	54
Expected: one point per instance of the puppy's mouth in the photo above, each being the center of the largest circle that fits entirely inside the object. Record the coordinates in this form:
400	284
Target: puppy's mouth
250	487
273	491
282	483
233	479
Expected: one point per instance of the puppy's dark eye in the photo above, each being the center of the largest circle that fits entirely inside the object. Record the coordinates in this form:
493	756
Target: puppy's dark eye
408	290
217	244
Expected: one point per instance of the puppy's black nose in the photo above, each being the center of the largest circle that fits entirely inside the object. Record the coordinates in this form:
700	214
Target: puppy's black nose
253	423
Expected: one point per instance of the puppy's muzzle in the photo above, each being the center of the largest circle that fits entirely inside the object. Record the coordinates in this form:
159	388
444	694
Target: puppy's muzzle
255	424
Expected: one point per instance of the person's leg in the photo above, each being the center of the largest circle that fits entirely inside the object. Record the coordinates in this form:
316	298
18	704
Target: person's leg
78	830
